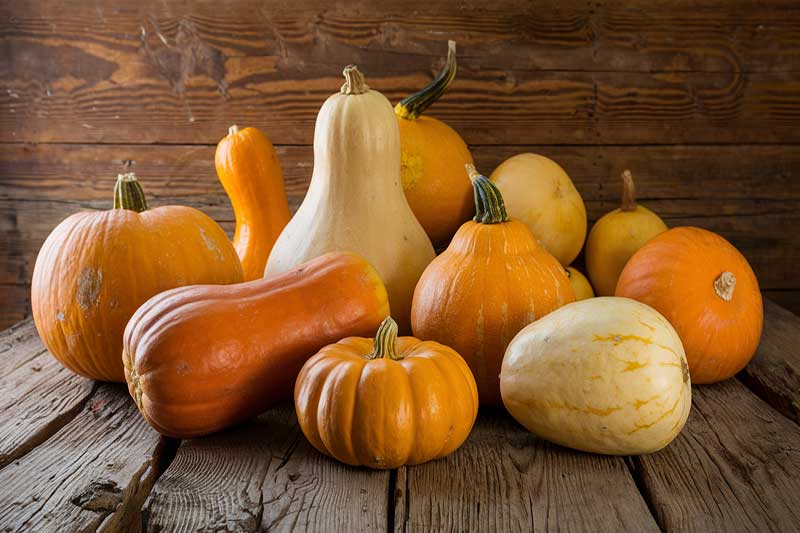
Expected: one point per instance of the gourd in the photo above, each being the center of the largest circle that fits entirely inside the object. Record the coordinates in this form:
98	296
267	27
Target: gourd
539	193
616	236
707	290
386	403
493	280
432	156
580	285
97	267
605	375
355	201
248	167
199	359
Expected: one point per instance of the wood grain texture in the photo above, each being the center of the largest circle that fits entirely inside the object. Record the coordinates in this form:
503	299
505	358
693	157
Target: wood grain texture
38	396
734	467
264	476
750	195
91	475
505	479
554	72
774	372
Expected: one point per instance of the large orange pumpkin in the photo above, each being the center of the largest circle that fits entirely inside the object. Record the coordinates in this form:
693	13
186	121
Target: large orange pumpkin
707	290
199	359
493	280
248	167
96	268
387	402
432	157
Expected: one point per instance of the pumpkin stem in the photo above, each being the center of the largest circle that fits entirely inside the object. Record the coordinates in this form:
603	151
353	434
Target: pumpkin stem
489	205
233	129
385	341
724	285
128	193
628	192
353	81
413	106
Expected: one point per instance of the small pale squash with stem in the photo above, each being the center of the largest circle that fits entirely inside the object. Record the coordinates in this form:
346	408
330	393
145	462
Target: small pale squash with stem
96	268
616	236
493	280
580	285
202	358
539	193
707	290
432	155
249	170
355	201
388	402
604	375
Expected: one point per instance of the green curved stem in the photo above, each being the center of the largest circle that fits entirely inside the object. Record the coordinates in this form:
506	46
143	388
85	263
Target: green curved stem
128	193
413	106
385	341
489	205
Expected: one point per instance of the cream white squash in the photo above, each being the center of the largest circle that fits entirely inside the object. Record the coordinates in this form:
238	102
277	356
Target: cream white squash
355	201
603	375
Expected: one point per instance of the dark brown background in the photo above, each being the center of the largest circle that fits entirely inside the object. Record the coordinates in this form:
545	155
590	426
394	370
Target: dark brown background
701	100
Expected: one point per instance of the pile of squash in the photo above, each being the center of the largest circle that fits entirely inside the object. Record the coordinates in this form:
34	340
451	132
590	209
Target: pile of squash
208	333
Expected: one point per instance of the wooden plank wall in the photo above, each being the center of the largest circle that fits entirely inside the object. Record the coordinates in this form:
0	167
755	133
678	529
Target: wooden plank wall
701	100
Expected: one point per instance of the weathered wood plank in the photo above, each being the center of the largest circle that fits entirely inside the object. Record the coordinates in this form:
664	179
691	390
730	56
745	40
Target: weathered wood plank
734	467
92	475
788	299
774	372
505	479
264	476
559	72
750	194
38	396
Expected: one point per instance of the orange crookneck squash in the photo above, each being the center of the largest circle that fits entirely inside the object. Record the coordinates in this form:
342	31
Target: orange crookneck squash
493	280
202	358
432	156
249	169
707	290
96	268
388	402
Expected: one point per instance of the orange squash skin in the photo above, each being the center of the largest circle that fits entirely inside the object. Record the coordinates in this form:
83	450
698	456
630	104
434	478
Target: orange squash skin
96	268
249	170
202	358
384	413
493	280
675	273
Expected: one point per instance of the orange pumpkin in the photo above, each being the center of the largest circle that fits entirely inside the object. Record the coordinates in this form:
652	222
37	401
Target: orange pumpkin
388	402
707	290
432	156
202	358
249	169
96	268
493	280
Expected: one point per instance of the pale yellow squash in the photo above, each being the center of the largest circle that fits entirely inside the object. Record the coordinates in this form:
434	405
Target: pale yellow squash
539	193
617	236
580	285
604	375
355	201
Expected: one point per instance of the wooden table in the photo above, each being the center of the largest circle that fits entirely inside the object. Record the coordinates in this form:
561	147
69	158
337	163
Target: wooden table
76	455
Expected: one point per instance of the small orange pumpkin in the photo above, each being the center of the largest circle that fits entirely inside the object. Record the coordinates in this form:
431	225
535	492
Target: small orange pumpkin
493	280
96	268
388	402
432	156
249	170
705	287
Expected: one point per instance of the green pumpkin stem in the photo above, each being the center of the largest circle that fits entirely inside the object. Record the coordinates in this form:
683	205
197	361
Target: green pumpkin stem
385	341
413	106
128	193
489	205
